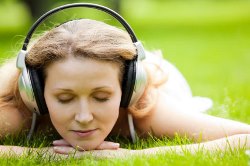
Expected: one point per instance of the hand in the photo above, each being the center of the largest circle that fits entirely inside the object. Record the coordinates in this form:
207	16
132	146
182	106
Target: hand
63	147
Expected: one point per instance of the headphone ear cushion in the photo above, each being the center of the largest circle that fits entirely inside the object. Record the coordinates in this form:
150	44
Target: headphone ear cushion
128	83
38	89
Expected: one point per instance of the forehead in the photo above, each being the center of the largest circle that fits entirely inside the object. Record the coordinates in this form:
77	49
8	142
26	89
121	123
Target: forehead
82	70
80	65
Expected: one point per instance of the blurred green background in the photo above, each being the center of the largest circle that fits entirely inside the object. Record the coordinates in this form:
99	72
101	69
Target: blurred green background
209	40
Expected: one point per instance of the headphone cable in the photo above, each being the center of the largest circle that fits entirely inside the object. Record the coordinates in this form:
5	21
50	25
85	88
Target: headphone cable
33	124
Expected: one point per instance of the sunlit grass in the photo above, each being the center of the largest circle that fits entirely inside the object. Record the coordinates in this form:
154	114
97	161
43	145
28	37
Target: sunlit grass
235	157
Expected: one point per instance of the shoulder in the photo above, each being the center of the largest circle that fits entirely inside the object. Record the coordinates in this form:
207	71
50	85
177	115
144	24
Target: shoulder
161	119
168	116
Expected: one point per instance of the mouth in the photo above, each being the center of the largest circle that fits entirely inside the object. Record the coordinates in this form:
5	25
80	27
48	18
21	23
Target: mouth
84	133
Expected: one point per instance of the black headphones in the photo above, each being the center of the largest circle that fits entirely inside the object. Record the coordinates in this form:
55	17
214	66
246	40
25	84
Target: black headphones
31	85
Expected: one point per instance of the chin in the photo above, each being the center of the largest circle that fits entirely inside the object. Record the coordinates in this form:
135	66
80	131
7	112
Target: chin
85	142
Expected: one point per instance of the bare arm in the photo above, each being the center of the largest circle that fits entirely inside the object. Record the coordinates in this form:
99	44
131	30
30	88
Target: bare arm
109	149
239	141
170	118
62	146
231	143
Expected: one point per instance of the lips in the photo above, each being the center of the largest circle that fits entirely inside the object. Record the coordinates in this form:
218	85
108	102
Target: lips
84	133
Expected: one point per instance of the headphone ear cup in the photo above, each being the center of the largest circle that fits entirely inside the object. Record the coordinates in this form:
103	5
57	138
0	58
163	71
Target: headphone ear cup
140	83
128	83
37	83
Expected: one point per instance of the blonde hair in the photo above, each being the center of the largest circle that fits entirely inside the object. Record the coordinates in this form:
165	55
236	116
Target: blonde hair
82	38
9	93
147	102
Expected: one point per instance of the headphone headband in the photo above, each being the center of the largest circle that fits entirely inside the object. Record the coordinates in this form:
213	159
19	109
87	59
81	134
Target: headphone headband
74	5
30	81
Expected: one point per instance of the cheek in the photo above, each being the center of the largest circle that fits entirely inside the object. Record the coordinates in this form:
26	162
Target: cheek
112	112
58	115
108	113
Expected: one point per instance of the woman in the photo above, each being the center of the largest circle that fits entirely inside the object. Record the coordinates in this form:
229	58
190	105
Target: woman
82	64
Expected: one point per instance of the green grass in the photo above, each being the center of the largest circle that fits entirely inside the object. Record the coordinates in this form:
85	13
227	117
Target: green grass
237	157
208	41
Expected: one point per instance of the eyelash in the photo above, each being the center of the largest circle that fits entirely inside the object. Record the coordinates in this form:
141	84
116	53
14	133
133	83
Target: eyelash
102	100
64	101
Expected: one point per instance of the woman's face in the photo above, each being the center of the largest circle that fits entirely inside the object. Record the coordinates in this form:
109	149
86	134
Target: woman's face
83	98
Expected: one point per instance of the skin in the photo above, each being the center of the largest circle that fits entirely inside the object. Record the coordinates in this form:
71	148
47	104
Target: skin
197	126
83	112
169	118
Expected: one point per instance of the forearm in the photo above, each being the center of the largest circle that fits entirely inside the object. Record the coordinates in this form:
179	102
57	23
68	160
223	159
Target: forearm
203	127
220	145
224	144
13	150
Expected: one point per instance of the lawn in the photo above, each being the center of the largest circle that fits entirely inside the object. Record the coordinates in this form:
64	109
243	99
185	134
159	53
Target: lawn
208	41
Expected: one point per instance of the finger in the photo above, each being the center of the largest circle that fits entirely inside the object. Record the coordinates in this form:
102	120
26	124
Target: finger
64	150
108	145
61	142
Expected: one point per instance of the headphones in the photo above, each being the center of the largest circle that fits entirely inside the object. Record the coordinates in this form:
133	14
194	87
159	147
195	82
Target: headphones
31	84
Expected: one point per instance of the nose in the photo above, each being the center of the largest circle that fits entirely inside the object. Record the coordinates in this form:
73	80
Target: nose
83	114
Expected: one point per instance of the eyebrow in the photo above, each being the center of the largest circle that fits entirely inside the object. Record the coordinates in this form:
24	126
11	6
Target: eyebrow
63	89
103	87
95	89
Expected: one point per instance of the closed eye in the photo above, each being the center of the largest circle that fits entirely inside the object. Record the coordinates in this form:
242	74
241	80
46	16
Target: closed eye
65	98
101	99
65	101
